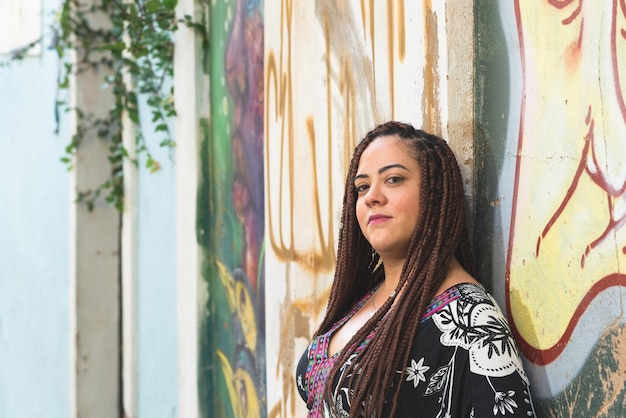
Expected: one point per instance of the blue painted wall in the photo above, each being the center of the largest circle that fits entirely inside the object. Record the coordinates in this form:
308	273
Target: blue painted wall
157	357
34	242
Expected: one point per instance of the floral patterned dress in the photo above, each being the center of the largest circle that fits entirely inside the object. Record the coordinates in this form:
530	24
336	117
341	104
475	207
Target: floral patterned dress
464	363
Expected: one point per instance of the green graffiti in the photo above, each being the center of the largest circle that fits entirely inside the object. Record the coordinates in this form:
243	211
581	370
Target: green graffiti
230	216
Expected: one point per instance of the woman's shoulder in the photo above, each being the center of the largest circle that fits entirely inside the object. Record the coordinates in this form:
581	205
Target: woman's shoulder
473	292
468	292
467	306
469	295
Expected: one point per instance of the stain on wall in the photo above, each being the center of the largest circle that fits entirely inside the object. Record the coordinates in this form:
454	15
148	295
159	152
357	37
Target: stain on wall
564	286
231	216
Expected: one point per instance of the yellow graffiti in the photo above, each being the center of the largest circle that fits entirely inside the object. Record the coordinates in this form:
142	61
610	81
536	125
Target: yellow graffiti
567	238
241	305
241	389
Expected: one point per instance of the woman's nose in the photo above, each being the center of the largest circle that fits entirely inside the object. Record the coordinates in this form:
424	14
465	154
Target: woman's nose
375	195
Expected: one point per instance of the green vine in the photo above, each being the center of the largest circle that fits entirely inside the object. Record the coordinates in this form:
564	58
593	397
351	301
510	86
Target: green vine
138	42
136	45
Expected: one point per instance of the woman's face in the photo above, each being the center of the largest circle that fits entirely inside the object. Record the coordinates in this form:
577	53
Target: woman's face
388	184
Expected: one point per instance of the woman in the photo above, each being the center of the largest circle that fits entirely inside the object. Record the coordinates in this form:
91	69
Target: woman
408	331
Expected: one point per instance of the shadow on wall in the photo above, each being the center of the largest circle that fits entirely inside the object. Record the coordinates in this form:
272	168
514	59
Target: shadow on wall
492	120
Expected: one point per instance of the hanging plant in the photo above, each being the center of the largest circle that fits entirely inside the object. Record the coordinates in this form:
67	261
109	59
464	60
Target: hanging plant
136	45
137	42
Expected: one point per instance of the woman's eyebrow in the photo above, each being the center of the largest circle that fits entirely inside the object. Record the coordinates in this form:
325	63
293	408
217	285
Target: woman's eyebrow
381	170
390	166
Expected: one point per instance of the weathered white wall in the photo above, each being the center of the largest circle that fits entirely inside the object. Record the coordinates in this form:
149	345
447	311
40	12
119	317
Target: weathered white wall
34	241
191	98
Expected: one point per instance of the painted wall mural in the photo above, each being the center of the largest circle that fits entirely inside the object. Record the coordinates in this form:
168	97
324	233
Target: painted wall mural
231	216
567	244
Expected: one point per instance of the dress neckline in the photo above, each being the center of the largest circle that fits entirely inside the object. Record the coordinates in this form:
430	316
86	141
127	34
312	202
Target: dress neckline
345	319
438	302
445	297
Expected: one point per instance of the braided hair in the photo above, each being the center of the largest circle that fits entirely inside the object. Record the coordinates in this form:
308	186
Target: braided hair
440	235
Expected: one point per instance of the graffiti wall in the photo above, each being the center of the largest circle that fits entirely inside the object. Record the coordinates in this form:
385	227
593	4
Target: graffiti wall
230	215
554	193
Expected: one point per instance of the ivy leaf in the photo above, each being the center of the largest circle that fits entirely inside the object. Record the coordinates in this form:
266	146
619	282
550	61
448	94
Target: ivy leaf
118	46
153	6
170	4
152	165
133	115
138	43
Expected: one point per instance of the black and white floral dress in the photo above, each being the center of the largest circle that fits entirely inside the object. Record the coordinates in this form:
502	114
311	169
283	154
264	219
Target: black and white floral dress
464	363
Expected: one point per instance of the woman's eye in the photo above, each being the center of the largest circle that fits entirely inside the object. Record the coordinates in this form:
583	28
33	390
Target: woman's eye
394	179
361	188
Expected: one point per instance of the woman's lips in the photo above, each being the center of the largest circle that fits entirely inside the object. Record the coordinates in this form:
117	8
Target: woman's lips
377	219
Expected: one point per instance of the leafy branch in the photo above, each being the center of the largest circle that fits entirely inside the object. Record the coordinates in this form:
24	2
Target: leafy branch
136	44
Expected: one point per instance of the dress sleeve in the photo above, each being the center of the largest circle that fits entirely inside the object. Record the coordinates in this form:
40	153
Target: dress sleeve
498	382
507	396
484	375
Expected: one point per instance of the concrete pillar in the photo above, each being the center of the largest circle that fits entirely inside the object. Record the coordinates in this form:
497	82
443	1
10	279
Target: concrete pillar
460	64
95	260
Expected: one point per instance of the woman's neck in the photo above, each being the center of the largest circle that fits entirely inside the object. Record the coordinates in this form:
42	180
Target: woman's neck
392	277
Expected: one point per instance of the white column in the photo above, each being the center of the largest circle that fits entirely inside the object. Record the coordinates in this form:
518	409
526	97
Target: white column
129	271
191	87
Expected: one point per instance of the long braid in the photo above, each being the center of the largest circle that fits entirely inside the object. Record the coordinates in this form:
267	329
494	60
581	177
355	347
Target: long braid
440	235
